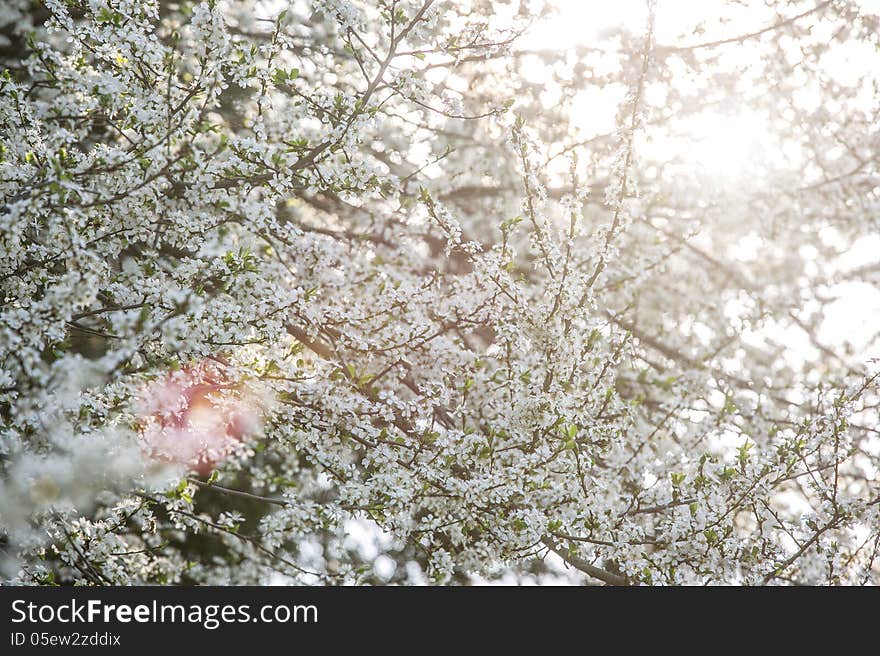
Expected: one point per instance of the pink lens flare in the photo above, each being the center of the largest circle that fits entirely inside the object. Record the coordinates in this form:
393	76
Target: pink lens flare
196	417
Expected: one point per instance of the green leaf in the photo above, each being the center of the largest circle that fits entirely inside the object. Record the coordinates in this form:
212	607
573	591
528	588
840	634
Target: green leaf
743	453
105	16
728	473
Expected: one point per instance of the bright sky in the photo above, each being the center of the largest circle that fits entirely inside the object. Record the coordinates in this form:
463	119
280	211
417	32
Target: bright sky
580	21
723	145
722	142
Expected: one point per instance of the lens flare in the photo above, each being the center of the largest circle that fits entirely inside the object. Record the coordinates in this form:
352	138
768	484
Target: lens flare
196	417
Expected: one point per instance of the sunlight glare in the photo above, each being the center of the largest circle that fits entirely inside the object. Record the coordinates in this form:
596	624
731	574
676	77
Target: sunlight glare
721	145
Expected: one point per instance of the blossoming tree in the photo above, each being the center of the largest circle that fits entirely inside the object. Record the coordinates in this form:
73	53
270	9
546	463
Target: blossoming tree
273	273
